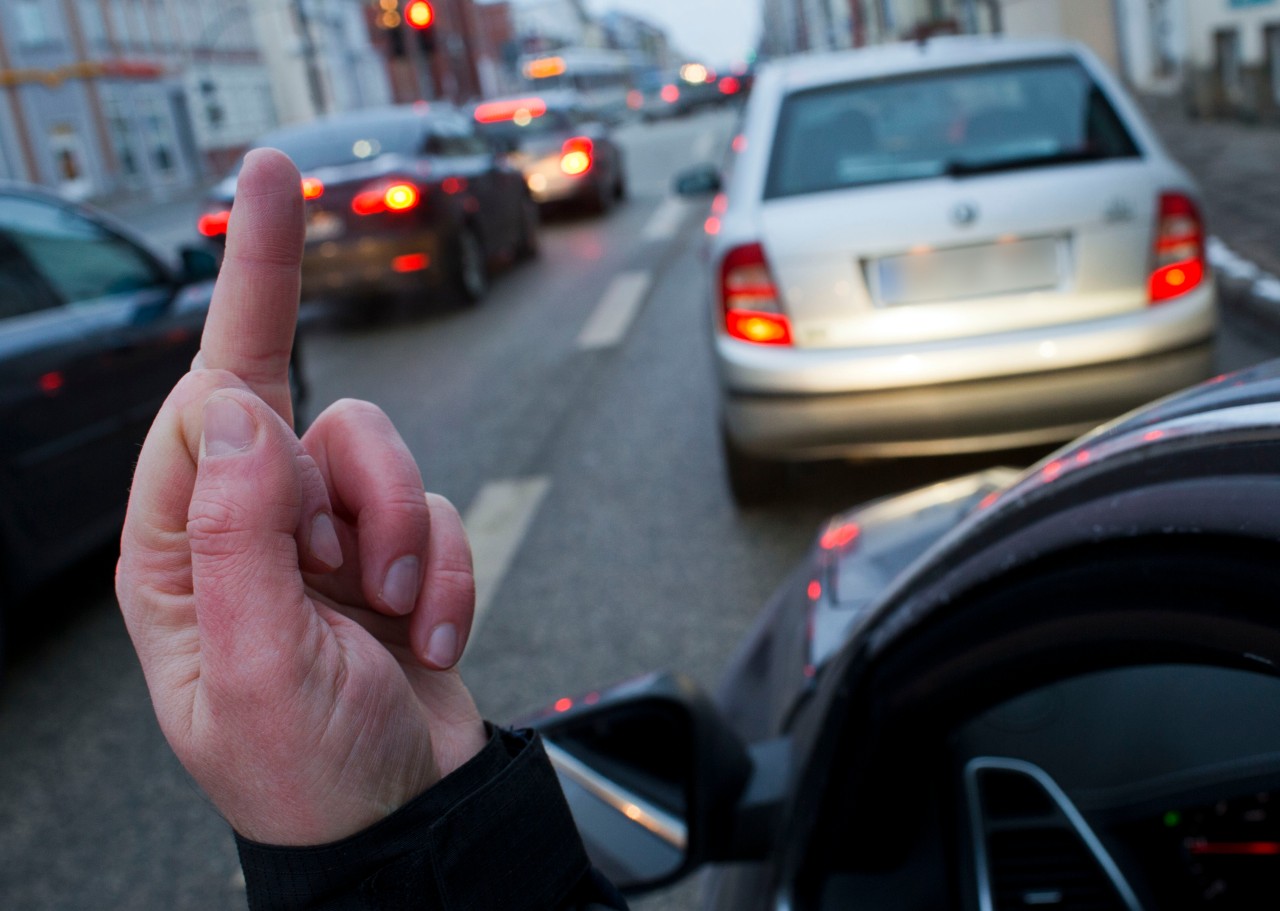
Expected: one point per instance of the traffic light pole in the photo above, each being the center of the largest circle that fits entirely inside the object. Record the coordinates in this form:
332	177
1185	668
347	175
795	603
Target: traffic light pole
418	61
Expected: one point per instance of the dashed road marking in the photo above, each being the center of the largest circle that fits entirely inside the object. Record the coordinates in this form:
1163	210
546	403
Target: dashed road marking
608	323
497	522
665	220
704	145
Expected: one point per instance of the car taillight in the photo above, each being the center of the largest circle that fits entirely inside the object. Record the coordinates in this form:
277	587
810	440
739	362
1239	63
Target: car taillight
1179	253
214	224
312	188
670	94
576	156
749	298
386	196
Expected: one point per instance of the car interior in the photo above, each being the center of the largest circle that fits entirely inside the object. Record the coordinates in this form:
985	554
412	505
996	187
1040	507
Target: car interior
1105	737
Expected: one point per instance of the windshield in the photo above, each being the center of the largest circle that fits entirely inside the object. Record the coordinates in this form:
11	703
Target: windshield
957	122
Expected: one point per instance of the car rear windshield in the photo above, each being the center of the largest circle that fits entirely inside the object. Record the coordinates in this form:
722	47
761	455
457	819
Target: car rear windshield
552	123
958	122
328	145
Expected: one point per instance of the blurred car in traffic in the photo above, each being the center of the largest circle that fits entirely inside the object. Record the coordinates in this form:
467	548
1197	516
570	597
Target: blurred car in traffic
965	245
690	88
566	155
95	329
1049	688
405	200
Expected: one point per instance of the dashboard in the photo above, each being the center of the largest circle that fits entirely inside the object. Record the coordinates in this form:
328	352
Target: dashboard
1152	787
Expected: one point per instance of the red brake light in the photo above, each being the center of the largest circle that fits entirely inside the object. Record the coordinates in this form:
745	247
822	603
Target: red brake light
670	94
1179	249
749	298
394	196
730	85
312	188
214	224
576	156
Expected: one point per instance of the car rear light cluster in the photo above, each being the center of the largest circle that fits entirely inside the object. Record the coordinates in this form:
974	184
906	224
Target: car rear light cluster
1179	253
749	298
312	188
214	224
386	196
577	156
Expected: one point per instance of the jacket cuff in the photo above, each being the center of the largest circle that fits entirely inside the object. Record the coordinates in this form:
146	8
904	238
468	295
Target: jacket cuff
496	833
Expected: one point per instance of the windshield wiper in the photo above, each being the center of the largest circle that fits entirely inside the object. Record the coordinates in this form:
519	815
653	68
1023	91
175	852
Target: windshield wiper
964	167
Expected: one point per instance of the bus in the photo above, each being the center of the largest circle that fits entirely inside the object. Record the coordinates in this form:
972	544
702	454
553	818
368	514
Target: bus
601	78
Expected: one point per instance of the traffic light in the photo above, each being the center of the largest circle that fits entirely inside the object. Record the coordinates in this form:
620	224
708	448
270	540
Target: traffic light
419	14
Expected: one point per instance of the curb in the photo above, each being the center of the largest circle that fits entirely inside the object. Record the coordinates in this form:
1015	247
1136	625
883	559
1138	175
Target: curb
1245	288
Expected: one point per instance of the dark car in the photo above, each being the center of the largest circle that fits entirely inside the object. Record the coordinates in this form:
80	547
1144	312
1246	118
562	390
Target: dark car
406	201
566	155
1056	688
95	329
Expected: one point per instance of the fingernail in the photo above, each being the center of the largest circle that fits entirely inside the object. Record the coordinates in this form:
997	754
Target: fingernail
400	589
442	647
228	427
325	546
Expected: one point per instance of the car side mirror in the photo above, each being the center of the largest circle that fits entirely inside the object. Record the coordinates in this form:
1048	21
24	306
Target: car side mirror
698	180
656	780
198	265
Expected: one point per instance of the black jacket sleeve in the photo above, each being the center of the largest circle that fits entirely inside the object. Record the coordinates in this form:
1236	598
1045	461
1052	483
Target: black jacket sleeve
495	835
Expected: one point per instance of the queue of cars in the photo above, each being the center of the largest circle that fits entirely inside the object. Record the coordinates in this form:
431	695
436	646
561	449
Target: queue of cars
401	201
1053	687
959	246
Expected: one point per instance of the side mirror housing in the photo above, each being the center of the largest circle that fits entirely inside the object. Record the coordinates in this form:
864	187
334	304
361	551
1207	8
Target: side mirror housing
699	180
657	782
199	264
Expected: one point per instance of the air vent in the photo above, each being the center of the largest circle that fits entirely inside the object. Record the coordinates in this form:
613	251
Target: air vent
1033	849
1049	868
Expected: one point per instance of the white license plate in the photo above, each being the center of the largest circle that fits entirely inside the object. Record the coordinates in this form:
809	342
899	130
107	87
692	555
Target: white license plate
985	270
323	226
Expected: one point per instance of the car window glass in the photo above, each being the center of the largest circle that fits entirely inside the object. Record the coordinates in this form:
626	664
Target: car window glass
920	126
21	290
79	258
454	138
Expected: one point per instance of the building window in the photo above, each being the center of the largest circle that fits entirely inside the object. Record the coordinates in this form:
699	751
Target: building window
91	24
68	159
33	24
1226	44
1272	37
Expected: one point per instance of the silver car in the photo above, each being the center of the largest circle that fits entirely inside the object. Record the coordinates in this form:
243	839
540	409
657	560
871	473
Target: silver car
966	245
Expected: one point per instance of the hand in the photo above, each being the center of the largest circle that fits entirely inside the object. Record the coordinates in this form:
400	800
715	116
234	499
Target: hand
298	606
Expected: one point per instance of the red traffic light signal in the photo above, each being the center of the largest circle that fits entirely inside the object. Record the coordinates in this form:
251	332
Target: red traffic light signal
419	14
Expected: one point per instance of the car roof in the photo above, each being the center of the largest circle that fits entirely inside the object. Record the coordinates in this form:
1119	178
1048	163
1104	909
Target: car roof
418	112
812	70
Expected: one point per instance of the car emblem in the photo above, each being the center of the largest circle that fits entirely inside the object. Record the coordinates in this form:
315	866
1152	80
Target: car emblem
965	213
1118	210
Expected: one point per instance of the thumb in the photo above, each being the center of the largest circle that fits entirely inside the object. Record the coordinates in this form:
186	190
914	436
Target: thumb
251	610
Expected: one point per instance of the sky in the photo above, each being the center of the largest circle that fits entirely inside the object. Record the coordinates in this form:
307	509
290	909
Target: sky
718	31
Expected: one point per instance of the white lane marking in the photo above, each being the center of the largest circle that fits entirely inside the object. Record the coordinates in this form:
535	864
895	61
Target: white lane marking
618	306
496	522
665	220
703	146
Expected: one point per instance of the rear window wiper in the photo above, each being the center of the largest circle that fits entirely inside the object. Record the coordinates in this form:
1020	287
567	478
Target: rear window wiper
962	167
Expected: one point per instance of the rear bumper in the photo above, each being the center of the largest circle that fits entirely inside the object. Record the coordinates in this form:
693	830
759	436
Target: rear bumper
974	416
367	265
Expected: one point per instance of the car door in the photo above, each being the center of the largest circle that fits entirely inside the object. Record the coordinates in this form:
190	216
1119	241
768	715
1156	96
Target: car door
85	365
492	197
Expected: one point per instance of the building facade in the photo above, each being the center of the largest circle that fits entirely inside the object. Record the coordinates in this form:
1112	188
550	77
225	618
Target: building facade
125	97
1233	59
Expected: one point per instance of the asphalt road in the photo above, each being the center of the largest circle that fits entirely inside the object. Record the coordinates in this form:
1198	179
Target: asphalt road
571	418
